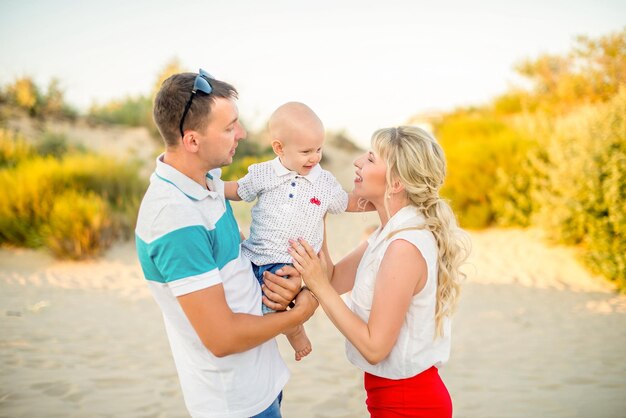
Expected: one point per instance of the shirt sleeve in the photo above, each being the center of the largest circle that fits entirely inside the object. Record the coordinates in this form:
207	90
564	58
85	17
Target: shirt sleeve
248	185
338	198
184	259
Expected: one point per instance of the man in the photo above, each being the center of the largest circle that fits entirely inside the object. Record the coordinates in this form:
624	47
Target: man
188	243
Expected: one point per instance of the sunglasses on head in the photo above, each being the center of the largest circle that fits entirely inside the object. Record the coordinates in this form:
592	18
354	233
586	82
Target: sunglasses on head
202	84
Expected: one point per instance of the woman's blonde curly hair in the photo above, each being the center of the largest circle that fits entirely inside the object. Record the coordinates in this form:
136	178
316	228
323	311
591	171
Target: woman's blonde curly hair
414	158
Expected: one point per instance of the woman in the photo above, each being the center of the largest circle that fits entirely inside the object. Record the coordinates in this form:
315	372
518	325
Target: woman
404	278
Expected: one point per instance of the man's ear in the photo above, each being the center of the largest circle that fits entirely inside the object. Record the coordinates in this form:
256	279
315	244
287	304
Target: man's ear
277	146
190	141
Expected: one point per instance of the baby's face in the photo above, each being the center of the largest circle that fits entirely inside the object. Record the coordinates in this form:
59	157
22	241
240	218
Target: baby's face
302	153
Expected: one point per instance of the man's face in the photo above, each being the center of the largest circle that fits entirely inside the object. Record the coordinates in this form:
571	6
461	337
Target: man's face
219	140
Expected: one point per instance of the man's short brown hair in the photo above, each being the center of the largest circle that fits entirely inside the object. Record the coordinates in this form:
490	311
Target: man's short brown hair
171	99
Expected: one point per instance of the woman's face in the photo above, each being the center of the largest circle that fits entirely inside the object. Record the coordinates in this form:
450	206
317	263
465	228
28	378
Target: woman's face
370	182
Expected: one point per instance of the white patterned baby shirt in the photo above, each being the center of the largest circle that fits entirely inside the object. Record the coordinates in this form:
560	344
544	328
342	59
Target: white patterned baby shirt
290	206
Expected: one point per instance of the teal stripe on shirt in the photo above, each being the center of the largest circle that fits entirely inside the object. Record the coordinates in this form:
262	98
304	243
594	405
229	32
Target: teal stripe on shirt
190	251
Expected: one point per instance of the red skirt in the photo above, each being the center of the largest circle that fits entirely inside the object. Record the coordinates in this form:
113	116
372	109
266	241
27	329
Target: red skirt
424	395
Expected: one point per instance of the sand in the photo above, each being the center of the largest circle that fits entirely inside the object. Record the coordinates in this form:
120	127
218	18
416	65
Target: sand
535	335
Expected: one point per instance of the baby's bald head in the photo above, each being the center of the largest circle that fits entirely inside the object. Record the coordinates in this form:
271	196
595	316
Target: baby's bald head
295	121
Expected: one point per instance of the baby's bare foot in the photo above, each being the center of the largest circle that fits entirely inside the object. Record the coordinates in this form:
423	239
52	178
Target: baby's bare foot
300	342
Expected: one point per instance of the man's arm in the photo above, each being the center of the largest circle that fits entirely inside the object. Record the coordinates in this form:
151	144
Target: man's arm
230	191
224	332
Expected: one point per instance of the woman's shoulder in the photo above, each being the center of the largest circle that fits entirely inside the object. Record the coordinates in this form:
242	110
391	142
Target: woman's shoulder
418	237
413	234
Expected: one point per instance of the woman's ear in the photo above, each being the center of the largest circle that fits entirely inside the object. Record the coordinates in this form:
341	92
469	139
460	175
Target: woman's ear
397	186
277	146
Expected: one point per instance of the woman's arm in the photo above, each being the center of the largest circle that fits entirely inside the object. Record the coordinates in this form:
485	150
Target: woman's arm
401	275
344	272
341	275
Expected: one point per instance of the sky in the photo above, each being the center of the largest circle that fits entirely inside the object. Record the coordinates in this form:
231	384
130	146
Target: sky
359	64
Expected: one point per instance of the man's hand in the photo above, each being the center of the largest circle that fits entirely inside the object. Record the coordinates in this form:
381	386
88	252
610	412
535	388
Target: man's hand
280	291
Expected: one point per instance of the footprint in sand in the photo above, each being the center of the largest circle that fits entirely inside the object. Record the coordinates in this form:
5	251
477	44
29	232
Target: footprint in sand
75	397
550	387
54	388
580	381
114	382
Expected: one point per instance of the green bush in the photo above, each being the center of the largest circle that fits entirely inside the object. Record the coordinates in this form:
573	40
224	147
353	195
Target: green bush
29	190
238	168
585	198
27	194
13	149
248	152
488	172
592	72
55	145
79	226
116	181
24	94
131	111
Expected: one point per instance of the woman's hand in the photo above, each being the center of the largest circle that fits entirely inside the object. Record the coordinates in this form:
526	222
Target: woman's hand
311	267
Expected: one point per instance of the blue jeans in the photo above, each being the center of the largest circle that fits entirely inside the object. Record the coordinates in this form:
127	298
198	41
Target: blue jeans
258	273
272	411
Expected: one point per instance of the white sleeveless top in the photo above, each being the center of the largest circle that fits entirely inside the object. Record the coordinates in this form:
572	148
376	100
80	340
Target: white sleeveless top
416	349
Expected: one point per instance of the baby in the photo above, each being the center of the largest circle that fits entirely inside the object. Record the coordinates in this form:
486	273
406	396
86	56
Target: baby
294	194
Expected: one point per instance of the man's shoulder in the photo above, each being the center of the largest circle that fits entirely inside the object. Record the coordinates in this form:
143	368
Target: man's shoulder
162	194
165	208
160	219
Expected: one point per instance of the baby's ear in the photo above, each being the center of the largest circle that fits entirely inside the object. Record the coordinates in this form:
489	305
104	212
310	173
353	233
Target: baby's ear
277	146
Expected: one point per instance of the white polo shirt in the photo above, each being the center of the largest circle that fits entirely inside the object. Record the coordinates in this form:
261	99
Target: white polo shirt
187	239
416	349
290	206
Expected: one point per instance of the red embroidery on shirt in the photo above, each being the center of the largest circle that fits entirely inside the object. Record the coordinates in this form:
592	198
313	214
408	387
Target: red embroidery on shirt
315	201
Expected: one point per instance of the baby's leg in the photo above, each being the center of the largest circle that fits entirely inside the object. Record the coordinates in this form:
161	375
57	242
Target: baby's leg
297	335
299	341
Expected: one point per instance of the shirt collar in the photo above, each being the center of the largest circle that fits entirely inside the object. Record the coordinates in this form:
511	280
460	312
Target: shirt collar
406	217
189	187
281	170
